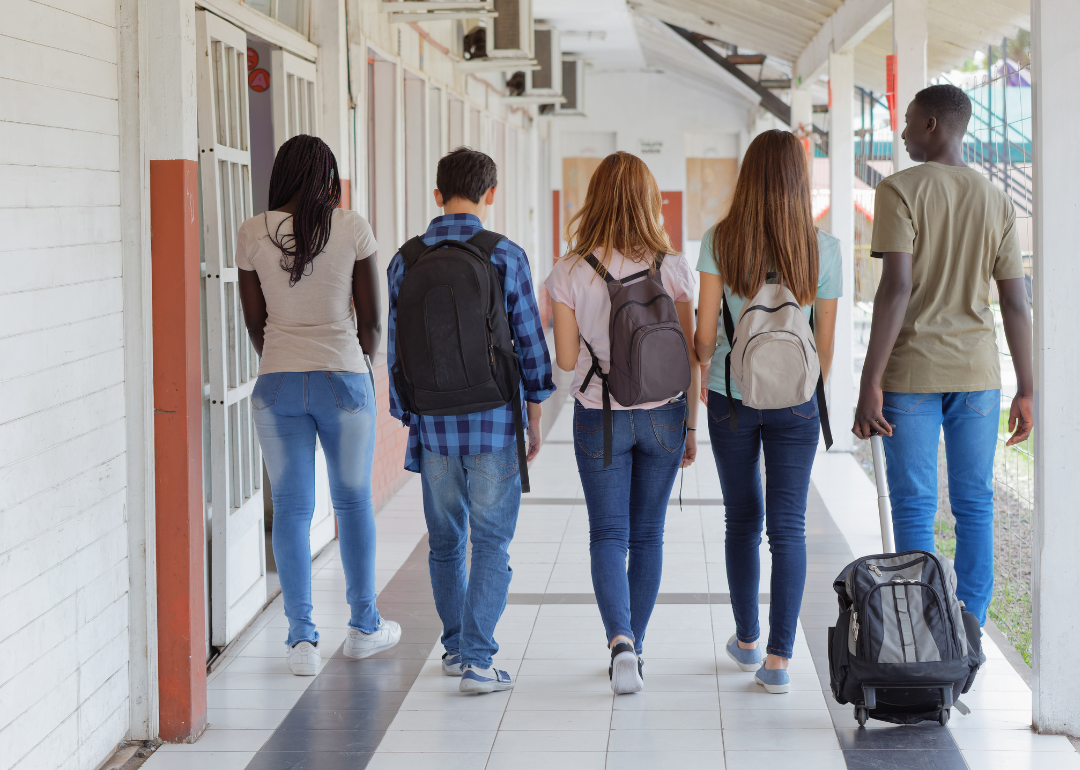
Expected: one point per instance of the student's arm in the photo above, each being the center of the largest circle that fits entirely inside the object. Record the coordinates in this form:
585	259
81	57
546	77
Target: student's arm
825	333
1016	317
395	273
708	316
890	306
254	304
365	291
686	321
567	342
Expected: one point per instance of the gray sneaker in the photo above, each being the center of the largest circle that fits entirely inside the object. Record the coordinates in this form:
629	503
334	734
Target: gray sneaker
747	660
451	663
480	680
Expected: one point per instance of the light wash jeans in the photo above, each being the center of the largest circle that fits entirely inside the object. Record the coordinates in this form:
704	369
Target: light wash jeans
627	503
789	439
482	494
290	409
970	421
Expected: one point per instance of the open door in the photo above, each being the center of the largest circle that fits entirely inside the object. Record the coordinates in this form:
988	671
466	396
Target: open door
295	101
238	557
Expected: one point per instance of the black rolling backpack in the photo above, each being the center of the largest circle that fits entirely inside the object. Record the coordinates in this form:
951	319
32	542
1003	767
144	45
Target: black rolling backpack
904	648
454	346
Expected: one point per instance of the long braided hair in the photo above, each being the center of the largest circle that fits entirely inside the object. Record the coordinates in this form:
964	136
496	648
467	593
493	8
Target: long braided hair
304	165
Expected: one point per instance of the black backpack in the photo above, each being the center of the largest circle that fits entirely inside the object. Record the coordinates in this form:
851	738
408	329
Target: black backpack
650	360
454	345
904	648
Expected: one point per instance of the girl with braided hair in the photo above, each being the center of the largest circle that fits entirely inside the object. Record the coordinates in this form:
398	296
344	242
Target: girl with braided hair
309	289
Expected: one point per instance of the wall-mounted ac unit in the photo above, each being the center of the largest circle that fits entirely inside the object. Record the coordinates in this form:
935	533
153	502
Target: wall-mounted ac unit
548	53
573	86
404	11
510	33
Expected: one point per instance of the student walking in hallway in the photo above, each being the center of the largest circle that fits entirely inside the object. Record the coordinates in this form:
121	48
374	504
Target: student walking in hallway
768	249
311	304
944	232
467	450
623	315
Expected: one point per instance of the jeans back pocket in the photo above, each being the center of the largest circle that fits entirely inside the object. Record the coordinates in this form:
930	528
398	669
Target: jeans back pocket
589	431
264	394
350	390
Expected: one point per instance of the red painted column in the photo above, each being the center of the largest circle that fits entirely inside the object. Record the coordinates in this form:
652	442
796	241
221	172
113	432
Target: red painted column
174	246
672	210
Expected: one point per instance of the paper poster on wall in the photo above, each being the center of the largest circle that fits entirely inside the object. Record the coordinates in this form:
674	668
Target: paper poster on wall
710	183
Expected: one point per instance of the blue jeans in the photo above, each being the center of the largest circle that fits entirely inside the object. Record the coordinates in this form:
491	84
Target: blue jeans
290	409
482	494
790	439
971	431
627	504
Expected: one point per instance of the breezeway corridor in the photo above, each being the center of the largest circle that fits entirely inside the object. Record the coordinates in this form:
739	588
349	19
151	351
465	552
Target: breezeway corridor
698	711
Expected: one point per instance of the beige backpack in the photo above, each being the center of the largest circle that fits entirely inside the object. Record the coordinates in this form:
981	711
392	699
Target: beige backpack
773	359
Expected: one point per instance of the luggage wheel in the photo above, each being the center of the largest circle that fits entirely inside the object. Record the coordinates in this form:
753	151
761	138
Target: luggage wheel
943	717
861	714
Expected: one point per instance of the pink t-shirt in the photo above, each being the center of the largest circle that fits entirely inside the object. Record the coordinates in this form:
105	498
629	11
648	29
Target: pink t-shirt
575	284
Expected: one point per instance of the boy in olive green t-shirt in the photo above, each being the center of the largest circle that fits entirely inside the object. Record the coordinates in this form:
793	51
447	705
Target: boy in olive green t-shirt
944	232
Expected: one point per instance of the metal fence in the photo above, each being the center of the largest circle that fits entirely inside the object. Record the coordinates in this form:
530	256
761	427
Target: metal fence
999	145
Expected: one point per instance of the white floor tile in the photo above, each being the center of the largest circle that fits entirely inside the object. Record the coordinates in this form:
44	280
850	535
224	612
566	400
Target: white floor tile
428	761
443	741
222	740
560	701
666	740
547	760
803	760
777	739
1022	760
594	720
198	760
653	760
245	719
665	720
1010	740
527	741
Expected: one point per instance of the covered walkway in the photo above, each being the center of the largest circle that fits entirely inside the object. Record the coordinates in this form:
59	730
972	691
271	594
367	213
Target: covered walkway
698	712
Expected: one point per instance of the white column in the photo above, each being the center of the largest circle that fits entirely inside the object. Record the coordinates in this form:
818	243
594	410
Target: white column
802	111
1056	574
909	46
328	32
134	48
841	393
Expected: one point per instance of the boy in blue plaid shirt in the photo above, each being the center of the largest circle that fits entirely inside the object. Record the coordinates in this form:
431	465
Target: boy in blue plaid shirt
468	463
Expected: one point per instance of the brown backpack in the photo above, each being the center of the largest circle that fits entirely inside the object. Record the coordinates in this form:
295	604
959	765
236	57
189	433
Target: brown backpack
650	360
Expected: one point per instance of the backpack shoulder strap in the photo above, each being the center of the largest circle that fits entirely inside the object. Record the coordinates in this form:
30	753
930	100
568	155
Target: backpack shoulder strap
412	250
486	241
822	401
600	269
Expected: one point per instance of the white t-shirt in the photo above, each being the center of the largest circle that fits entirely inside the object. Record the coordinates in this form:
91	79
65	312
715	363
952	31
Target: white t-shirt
310	326
574	283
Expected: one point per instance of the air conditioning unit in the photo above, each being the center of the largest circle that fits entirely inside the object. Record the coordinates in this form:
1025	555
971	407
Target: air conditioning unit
573	86
510	33
548	79
405	11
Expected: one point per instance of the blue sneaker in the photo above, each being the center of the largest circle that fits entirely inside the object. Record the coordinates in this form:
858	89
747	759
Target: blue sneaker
774	681
451	663
478	680
747	660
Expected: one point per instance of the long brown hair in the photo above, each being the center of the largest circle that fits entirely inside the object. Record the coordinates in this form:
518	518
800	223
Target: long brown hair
621	213
770	226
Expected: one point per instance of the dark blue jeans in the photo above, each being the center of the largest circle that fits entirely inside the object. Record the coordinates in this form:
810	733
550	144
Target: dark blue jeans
627	504
790	439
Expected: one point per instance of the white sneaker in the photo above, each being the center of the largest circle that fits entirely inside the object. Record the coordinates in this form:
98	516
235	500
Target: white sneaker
480	680
361	645
451	663
303	659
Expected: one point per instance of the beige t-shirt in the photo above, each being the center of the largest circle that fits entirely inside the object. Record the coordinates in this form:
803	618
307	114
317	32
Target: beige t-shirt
961	233
310	326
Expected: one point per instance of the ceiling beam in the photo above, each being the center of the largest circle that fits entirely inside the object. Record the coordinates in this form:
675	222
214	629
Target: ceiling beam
769	100
842	31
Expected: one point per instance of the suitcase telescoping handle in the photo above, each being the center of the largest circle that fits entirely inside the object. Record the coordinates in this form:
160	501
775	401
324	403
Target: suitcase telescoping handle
884	505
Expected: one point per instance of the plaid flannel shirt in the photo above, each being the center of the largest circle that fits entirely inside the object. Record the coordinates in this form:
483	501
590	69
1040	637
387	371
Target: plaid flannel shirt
488	431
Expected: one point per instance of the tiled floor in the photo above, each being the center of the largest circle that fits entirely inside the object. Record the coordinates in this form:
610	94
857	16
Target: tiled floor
698	710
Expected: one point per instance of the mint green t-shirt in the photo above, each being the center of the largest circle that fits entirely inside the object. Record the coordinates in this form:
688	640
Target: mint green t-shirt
830	286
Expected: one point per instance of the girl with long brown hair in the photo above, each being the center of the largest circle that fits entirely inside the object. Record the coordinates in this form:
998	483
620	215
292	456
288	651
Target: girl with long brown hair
621	274
768	231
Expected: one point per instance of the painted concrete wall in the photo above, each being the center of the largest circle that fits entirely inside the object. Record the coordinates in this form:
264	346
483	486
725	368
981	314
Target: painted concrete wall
63	535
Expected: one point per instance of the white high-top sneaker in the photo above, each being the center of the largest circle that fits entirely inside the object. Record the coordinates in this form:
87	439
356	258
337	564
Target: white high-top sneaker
361	645
303	659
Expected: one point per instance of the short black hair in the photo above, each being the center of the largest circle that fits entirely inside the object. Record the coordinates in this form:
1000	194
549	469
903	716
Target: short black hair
466	173
948	104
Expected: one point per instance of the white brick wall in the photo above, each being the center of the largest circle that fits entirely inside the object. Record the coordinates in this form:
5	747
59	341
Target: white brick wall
63	523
